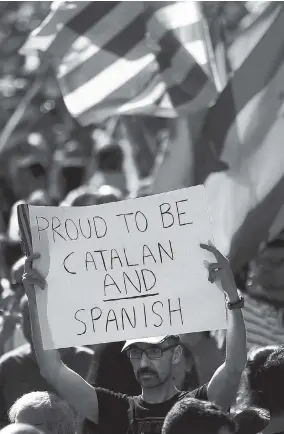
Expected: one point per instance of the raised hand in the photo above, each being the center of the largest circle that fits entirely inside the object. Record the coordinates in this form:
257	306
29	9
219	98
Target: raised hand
221	271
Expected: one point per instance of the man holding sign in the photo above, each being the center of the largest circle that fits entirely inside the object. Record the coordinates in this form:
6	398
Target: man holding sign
152	359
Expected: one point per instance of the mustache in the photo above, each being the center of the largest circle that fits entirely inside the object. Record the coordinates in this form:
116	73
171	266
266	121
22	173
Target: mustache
142	371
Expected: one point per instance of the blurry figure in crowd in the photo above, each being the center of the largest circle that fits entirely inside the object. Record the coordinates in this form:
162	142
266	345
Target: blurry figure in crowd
109	167
37	197
10	245
73	176
28	174
108	193
266	273
152	359
192	416
7	199
85	195
69	167
264	297
19	371
45	411
262	385
83	199
205	355
10	333
20	428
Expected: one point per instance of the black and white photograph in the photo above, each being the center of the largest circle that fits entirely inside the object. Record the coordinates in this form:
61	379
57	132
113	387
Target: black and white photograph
141	217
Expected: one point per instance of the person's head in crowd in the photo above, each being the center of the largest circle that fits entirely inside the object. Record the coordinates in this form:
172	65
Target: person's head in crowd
262	384
153	361
110	167
193	416
266	271
110	158
249	391
84	196
29	174
252	420
7	197
45	411
20	428
38	197
84	199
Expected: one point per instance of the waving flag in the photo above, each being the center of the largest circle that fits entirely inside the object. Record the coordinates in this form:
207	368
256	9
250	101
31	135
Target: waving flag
114	58
245	131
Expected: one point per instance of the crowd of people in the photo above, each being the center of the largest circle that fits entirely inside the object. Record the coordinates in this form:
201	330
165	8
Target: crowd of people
214	382
199	383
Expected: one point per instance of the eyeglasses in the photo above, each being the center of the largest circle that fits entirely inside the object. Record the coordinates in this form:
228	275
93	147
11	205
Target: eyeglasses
151	353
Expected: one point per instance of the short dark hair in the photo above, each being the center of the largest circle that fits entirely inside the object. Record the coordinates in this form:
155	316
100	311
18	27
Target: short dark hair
263	378
196	416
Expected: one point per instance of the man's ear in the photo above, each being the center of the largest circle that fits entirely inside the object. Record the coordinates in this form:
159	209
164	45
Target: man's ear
177	354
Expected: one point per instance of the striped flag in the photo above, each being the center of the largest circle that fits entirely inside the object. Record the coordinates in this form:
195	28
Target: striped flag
245	131
120	58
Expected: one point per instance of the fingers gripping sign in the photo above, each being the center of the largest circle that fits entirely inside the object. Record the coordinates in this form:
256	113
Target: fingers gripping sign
220	271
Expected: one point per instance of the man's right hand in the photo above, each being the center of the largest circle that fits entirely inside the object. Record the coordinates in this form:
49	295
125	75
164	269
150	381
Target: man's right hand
32	277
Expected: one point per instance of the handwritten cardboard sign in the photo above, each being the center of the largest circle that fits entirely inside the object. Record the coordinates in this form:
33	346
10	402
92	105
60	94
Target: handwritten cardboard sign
124	270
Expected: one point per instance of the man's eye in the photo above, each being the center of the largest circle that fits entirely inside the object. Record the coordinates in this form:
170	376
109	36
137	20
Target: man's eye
155	350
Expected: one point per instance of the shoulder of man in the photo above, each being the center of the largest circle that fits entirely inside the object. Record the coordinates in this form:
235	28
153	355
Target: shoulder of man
199	393
119	404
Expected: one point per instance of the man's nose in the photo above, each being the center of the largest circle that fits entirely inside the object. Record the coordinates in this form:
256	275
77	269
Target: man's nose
144	361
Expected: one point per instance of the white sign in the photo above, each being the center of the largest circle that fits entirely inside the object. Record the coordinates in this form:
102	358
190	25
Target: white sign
124	270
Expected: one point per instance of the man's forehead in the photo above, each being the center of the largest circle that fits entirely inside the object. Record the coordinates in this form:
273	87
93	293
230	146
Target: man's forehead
144	345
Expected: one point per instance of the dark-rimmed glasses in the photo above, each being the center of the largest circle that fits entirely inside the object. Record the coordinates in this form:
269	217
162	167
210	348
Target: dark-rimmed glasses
151	353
